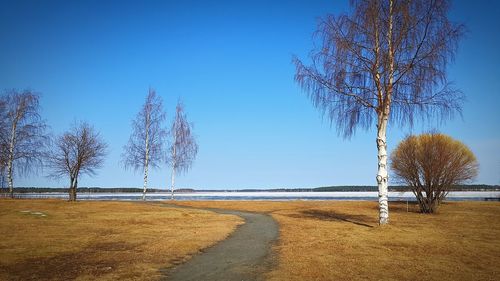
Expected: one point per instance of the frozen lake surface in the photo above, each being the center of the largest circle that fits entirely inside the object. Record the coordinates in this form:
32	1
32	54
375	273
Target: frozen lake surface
263	195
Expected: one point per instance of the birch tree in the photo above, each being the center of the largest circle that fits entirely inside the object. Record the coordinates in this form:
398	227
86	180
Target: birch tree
183	147
24	139
77	152
145	146
3	141
384	62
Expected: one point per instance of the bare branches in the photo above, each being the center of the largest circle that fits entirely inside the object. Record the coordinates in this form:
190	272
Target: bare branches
380	53
148	135
145	146
183	147
78	151
430	164
24	139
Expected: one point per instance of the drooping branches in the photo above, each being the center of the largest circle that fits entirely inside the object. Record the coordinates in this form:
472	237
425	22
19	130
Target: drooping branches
350	76
23	136
383	63
145	146
183	147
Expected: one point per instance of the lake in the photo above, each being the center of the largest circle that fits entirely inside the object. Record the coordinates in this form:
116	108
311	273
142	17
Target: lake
263	195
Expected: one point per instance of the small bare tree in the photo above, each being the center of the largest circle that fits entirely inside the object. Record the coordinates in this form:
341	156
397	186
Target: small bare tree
145	146
385	62
24	138
430	164
183	147
77	152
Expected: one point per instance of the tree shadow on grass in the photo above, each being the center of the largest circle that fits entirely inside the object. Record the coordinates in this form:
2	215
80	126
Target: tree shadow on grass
360	220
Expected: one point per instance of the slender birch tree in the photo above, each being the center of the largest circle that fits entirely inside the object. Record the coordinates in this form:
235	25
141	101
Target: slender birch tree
145	146
78	151
3	141
182	147
384	62
24	139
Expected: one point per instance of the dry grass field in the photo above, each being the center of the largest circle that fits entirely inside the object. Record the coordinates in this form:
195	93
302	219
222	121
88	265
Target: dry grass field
338	240
59	240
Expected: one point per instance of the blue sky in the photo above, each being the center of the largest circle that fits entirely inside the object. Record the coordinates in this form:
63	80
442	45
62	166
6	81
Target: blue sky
230	62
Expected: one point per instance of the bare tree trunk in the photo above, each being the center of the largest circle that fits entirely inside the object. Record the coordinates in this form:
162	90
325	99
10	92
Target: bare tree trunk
11	159
146	156
70	189
172	179
382	174
174	154
146	163
74	188
145	182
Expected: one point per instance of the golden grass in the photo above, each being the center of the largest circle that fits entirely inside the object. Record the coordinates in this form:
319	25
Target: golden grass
341	240
58	240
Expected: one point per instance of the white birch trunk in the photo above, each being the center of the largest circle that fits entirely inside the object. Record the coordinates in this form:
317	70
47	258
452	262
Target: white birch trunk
146	161
11	159
145	181
146	152
172	179
382	174
174	161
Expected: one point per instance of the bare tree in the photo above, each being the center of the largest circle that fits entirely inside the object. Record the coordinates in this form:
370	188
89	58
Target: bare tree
3	141
145	146
384	62
430	164
24	137
77	152
183	147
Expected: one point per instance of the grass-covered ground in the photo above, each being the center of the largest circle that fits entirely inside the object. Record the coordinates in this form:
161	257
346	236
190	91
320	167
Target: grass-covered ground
338	240
59	240
328	240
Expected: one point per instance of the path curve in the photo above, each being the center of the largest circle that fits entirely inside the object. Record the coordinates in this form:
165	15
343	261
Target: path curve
244	255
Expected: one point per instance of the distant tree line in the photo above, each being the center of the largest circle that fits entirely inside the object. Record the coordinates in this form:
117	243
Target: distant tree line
347	188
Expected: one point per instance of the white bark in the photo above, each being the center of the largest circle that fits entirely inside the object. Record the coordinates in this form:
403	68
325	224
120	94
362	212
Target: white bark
145	181
382	174
11	157
172	179
146	158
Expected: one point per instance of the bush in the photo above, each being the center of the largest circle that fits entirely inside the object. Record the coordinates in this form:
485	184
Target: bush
430	164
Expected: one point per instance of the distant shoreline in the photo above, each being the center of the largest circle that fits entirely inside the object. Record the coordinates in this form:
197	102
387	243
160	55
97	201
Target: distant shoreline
353	188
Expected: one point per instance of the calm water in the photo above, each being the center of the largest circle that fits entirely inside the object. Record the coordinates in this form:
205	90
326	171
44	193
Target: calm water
270	196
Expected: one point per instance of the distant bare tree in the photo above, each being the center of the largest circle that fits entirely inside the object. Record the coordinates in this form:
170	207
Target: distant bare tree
430	164
385	62
77	152
183	147
24	139
145	146
3	141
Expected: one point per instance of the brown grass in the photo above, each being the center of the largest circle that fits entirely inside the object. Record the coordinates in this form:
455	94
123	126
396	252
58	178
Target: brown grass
101	240
342	241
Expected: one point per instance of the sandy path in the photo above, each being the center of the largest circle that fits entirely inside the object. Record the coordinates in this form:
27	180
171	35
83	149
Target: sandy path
244	255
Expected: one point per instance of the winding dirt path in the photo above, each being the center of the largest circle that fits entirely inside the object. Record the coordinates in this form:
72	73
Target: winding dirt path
244	255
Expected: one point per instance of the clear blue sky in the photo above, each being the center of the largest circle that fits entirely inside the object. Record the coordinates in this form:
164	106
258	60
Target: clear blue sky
230	61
